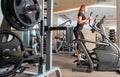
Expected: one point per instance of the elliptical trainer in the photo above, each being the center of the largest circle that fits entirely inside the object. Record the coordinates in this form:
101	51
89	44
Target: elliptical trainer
106	55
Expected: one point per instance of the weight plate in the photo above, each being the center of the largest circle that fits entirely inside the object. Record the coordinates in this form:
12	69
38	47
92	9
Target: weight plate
21	14
9	64
27	11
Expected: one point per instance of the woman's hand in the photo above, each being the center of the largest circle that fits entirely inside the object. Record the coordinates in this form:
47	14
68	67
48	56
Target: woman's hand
88	19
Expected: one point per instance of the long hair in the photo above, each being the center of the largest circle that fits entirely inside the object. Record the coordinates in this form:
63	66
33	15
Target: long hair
82	6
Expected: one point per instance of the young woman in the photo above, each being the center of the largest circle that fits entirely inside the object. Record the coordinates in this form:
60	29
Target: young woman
78	29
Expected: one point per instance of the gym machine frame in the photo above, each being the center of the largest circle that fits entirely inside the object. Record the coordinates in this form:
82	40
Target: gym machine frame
49	66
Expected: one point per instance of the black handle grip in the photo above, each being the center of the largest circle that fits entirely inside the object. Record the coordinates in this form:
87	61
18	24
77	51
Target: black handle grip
91	13
95	18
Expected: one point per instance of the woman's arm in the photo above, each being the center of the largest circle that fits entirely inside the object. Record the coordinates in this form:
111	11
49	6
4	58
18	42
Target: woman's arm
86	21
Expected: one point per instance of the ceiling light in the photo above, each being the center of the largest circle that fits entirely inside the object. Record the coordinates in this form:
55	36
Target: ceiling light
106	6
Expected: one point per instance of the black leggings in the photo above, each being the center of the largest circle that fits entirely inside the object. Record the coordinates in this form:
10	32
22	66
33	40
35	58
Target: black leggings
78	35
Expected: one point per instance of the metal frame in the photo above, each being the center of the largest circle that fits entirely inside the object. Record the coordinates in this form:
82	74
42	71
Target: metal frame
45	69
48	67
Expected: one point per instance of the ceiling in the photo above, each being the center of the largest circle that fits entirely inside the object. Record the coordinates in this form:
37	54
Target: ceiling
60	5
98	7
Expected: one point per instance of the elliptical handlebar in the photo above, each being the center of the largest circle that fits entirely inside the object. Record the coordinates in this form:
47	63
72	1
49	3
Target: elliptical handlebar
90	15
94	23
95	26
101	22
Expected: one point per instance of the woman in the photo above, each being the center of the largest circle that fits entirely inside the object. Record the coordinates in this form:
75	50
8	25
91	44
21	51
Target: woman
78	29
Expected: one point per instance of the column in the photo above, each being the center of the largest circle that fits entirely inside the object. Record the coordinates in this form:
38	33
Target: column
118	21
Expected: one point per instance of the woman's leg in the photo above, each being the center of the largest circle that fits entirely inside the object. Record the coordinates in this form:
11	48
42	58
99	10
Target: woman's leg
79	50
78	36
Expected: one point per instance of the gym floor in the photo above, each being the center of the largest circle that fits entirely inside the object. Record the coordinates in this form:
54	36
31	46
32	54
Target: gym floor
65	62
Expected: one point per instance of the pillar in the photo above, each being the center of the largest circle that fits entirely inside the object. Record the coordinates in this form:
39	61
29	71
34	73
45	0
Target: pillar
118	22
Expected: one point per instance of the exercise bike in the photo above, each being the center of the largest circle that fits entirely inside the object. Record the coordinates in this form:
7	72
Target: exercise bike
106	55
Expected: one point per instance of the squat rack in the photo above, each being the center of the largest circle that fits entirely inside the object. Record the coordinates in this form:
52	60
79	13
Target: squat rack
45	69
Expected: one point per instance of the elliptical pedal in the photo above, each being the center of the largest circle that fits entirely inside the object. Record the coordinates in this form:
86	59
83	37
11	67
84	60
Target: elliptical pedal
86	69
82	66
